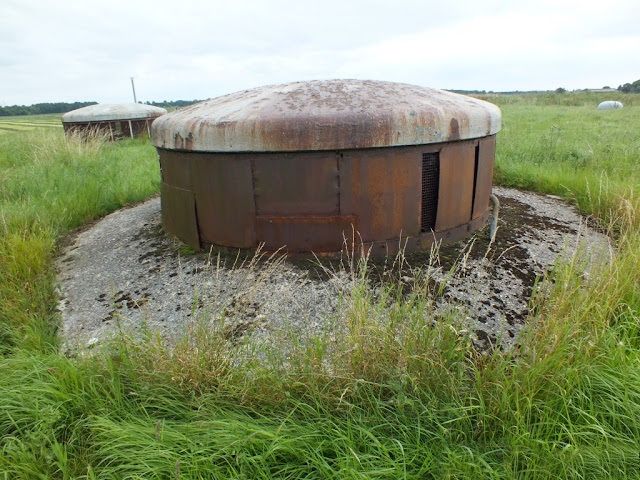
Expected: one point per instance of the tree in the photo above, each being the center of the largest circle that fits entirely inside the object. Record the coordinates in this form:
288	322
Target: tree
630	87
40	108
561	90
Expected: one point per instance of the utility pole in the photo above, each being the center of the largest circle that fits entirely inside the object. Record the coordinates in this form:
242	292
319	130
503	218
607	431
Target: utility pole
133	87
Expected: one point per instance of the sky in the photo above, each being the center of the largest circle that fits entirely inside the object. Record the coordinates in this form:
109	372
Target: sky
69	50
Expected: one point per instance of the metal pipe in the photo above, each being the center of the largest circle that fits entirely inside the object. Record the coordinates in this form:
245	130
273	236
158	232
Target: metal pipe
133	87
493	220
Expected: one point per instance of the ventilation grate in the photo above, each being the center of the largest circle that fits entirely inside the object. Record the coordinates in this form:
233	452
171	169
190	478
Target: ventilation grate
430	184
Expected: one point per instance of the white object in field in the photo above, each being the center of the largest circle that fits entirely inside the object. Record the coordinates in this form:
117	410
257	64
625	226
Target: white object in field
610	105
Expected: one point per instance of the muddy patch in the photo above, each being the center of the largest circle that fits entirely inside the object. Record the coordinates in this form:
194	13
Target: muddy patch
124	274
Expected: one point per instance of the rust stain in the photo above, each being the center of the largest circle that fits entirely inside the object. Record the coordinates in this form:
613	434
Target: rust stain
301	165
304	233
484	178
455	194
326	115
306	201
454	129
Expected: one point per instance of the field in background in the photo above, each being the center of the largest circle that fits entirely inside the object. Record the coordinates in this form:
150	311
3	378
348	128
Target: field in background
24	123
396	398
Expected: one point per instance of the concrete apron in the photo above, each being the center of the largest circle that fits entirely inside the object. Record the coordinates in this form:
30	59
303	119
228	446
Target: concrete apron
123	273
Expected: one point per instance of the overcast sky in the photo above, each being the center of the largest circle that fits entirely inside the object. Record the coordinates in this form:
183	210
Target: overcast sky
69	50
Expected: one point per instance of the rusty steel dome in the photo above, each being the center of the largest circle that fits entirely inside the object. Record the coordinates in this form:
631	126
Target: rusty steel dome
303	165
116	120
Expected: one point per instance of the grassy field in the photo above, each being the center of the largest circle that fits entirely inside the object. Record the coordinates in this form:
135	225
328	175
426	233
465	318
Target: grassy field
396	398
29	122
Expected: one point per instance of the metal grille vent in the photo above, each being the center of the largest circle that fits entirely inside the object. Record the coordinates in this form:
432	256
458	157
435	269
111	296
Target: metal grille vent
430	184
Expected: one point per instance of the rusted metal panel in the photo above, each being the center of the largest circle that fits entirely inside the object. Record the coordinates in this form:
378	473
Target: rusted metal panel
326	115
179	214
291	184
139	127
382	187
305	233
379	193
484	176
175	169
455	194
223	189
425	240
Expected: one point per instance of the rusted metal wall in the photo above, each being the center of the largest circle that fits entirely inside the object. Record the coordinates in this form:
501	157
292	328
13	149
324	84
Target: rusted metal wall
382	188
297	184
484	175
457	165
113	129
225	204
312	201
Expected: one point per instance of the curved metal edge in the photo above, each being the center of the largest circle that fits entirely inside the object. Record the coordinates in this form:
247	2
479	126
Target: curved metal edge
274	119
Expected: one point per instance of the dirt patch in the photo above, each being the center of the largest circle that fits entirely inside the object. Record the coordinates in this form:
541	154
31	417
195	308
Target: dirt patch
124	273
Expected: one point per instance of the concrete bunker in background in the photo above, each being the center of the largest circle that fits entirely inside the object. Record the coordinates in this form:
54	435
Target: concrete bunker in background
302	165
120	120
610	105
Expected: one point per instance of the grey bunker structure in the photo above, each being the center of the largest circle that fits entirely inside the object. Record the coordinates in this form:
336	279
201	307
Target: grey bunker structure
114	120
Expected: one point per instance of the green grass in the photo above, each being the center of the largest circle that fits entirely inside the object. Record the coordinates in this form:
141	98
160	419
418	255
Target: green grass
394	398
29	122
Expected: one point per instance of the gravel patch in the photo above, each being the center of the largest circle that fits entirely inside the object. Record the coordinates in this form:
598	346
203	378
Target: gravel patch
124	274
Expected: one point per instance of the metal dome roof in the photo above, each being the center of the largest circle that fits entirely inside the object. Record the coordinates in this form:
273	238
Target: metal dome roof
112	111
325	115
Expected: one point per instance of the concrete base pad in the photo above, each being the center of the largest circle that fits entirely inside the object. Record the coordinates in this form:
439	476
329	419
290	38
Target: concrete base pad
123	273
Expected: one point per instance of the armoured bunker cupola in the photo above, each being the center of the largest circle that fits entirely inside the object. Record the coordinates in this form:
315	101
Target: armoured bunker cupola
117	120
303	165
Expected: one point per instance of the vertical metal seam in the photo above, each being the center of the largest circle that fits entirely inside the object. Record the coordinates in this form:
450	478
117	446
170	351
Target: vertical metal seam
339	156
252	165
475	179
195	214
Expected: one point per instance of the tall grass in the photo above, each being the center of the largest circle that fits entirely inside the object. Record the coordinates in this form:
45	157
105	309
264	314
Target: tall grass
399	394
50	184
567	99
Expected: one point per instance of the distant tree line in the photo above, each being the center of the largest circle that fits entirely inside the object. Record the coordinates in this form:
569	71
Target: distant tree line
630	87
40	108
63	107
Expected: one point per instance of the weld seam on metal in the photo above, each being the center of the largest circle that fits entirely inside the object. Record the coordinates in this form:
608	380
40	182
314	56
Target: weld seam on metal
475	179
339	157
252	165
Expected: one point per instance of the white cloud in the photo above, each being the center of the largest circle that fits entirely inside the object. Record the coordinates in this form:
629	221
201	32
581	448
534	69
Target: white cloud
87	50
